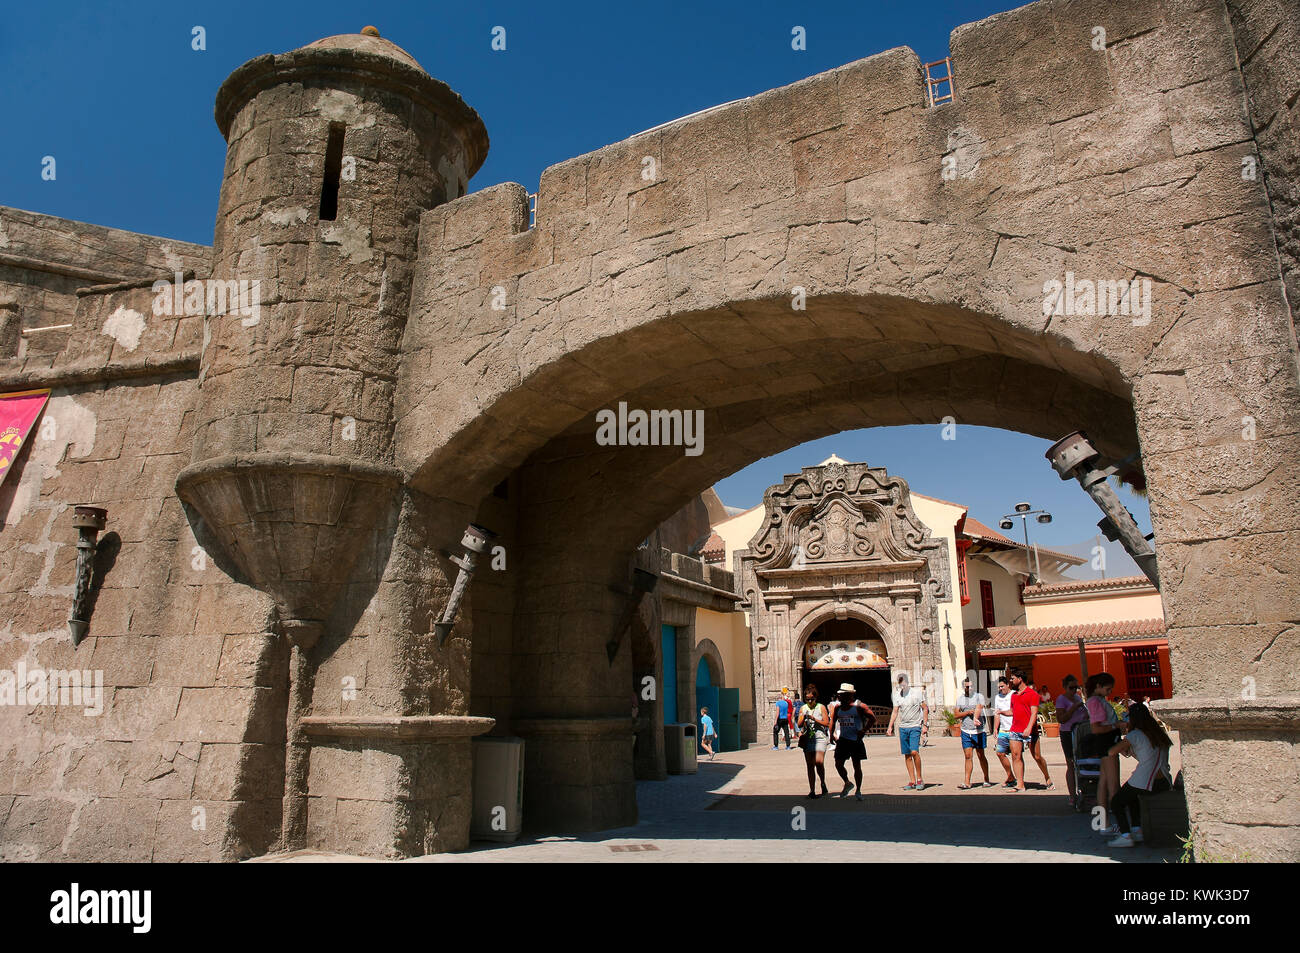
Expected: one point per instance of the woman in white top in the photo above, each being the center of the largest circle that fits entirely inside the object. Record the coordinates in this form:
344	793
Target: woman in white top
1149	744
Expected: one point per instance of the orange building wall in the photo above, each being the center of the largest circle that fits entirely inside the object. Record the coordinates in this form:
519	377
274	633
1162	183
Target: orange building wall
1051	666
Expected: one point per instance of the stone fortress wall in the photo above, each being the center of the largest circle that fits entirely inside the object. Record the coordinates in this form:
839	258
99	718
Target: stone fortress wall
924	299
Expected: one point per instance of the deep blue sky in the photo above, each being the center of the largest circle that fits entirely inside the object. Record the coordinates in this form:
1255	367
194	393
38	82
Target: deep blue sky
116	94
989	471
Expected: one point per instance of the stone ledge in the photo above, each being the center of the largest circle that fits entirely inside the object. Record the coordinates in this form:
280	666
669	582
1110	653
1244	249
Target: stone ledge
580	727
153	365
217	467
1218	714
435	728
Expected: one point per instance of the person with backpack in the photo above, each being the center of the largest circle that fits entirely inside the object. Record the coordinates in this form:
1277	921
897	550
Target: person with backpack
784	710
1149	744
813	727
850	720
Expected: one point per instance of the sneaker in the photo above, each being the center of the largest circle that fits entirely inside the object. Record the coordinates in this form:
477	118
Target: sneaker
909	787
774	747
1123	840
848	786
1111	831
858	795
1137	835
921	785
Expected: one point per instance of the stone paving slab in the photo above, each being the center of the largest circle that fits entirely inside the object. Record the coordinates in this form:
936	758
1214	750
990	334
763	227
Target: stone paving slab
740	809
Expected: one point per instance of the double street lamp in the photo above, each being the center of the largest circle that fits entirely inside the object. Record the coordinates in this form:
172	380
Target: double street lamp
1022	513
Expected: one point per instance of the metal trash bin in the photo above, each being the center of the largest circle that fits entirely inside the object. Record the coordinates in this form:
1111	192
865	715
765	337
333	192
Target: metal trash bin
497	804
680	749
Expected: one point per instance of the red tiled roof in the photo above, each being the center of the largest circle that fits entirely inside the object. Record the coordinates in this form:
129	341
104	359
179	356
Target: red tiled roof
977	530
1089	585
1018	636
714	549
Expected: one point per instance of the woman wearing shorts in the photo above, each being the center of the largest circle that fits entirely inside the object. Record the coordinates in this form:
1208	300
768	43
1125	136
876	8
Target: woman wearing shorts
814	727
1104	726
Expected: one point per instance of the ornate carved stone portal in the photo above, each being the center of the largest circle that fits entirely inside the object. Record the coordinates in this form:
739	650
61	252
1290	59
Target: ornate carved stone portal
841	541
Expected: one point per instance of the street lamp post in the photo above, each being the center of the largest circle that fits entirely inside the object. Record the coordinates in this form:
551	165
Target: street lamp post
1022	513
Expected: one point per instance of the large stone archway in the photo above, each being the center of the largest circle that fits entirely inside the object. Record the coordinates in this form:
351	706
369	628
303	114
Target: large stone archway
800	265
831	255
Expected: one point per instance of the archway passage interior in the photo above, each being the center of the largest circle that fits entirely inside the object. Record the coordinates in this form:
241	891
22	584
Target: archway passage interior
848	651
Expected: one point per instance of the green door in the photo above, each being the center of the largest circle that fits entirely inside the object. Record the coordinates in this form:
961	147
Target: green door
729	719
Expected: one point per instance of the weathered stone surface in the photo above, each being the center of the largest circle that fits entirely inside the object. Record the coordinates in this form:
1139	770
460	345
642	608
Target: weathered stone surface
830	255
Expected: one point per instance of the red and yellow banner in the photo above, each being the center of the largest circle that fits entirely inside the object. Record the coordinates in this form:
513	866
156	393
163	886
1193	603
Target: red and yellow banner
18	412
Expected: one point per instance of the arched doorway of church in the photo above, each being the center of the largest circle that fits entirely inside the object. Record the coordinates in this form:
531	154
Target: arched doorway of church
849	651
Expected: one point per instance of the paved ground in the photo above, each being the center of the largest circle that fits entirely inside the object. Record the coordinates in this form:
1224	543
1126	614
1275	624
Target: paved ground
742	807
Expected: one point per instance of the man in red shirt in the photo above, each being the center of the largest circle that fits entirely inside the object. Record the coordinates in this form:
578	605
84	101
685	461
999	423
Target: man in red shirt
1024	718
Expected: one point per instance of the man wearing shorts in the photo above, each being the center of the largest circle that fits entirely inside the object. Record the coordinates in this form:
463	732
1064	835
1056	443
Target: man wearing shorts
970	709
1024	718
850	720
911	716
707	733
1002	707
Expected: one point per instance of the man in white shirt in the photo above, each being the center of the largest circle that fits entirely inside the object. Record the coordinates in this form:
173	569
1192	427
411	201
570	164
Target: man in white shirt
912	718
970	709
1002	705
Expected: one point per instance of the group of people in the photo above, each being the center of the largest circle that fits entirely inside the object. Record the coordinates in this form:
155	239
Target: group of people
843	726
1137	734
1015	710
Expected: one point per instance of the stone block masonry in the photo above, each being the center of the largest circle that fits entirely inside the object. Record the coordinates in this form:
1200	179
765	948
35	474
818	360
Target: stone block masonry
830	255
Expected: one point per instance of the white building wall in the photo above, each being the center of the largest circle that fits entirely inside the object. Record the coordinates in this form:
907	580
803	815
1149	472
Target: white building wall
941	517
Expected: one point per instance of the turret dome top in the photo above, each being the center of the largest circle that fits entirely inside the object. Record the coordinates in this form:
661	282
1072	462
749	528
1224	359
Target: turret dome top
350	60
366	42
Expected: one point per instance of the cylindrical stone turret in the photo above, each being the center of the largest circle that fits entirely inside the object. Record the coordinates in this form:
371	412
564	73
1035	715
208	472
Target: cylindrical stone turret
334	151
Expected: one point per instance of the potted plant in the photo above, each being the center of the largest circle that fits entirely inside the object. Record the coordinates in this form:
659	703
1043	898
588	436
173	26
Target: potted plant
954	723
1047	718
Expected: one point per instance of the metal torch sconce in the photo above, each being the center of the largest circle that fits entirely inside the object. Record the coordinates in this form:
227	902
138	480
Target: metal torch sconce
1074	457
475	541
643	582
90	521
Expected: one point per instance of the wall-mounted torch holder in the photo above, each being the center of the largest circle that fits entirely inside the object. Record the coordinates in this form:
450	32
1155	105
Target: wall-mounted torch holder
90	522
475	541
1074	457
643	583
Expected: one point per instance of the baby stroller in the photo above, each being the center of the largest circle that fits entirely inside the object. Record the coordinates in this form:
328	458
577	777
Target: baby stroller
1087	771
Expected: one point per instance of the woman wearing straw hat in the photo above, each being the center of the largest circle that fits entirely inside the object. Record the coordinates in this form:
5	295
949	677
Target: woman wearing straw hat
850	720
